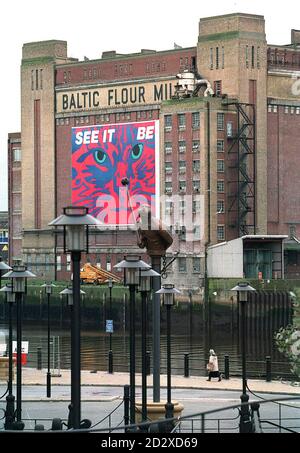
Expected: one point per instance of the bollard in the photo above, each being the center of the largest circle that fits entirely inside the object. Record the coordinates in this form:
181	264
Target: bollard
39	358
186	365
148	370
268	369
126	399
226	366
110	362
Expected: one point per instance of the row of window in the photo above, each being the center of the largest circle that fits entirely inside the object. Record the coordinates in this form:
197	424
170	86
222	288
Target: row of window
106	118
196	206
182	146
287	109
195	167
196	186
36	79
217	58
151	67
252	57
181	118
195	146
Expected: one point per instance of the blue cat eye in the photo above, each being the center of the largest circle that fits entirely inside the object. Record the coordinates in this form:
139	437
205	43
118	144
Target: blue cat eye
100	156
136	151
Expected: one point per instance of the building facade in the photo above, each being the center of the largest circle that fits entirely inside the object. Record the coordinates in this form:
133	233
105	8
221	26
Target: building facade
228	161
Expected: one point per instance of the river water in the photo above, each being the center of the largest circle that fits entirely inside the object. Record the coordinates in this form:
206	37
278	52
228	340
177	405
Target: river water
223	338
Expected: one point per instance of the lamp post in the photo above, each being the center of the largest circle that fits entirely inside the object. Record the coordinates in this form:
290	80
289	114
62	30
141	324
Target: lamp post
19	275
132	266
10	399
48	290
168	291
110	286
145	288
242	290
75	222
69	295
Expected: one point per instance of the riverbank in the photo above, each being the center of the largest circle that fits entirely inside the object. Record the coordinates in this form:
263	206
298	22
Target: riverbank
31	376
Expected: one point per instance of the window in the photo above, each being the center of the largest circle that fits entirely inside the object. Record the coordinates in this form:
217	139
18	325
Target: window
196	206
58	263
258	57
32	80
217	57
297	110
182	146
196	264
223	57
181	121
17	155
168	187
182	166
68	263
286	109
220	186
168	207
247	56
195	120
196	185
211	64
168	168
168	147
220	121
220	166
168	122
196	146
221	232
253	57
292	110
220	146
196	166
218	87
182	206
275	109
220	206
182	186
269	108
182	264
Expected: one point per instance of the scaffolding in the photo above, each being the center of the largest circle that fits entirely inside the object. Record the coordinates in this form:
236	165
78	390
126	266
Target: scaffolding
242	171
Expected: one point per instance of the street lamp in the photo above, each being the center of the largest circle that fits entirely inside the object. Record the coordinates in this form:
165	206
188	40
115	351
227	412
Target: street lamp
19	275
132	266
242	289
145	287
10	399
75	222
168	291
48	290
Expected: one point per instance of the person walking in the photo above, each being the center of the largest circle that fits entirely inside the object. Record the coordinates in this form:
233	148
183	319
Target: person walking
213	366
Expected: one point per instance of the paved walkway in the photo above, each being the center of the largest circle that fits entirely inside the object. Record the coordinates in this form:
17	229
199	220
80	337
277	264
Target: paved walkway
31	376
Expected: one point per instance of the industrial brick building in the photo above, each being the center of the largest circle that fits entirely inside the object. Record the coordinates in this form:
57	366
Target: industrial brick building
230	159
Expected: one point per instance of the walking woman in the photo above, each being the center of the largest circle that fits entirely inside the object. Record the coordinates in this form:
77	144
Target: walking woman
213	366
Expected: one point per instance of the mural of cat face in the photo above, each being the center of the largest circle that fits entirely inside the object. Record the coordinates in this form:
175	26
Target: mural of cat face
102	156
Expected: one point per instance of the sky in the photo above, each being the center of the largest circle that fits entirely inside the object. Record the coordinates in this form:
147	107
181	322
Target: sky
93	26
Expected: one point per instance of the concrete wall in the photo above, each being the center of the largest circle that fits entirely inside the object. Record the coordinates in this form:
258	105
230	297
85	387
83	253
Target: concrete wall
226	260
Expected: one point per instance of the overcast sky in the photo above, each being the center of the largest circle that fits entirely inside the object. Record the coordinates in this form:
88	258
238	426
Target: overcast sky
93	26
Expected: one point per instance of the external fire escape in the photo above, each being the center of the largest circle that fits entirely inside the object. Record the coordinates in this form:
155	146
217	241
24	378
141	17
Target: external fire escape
241	175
